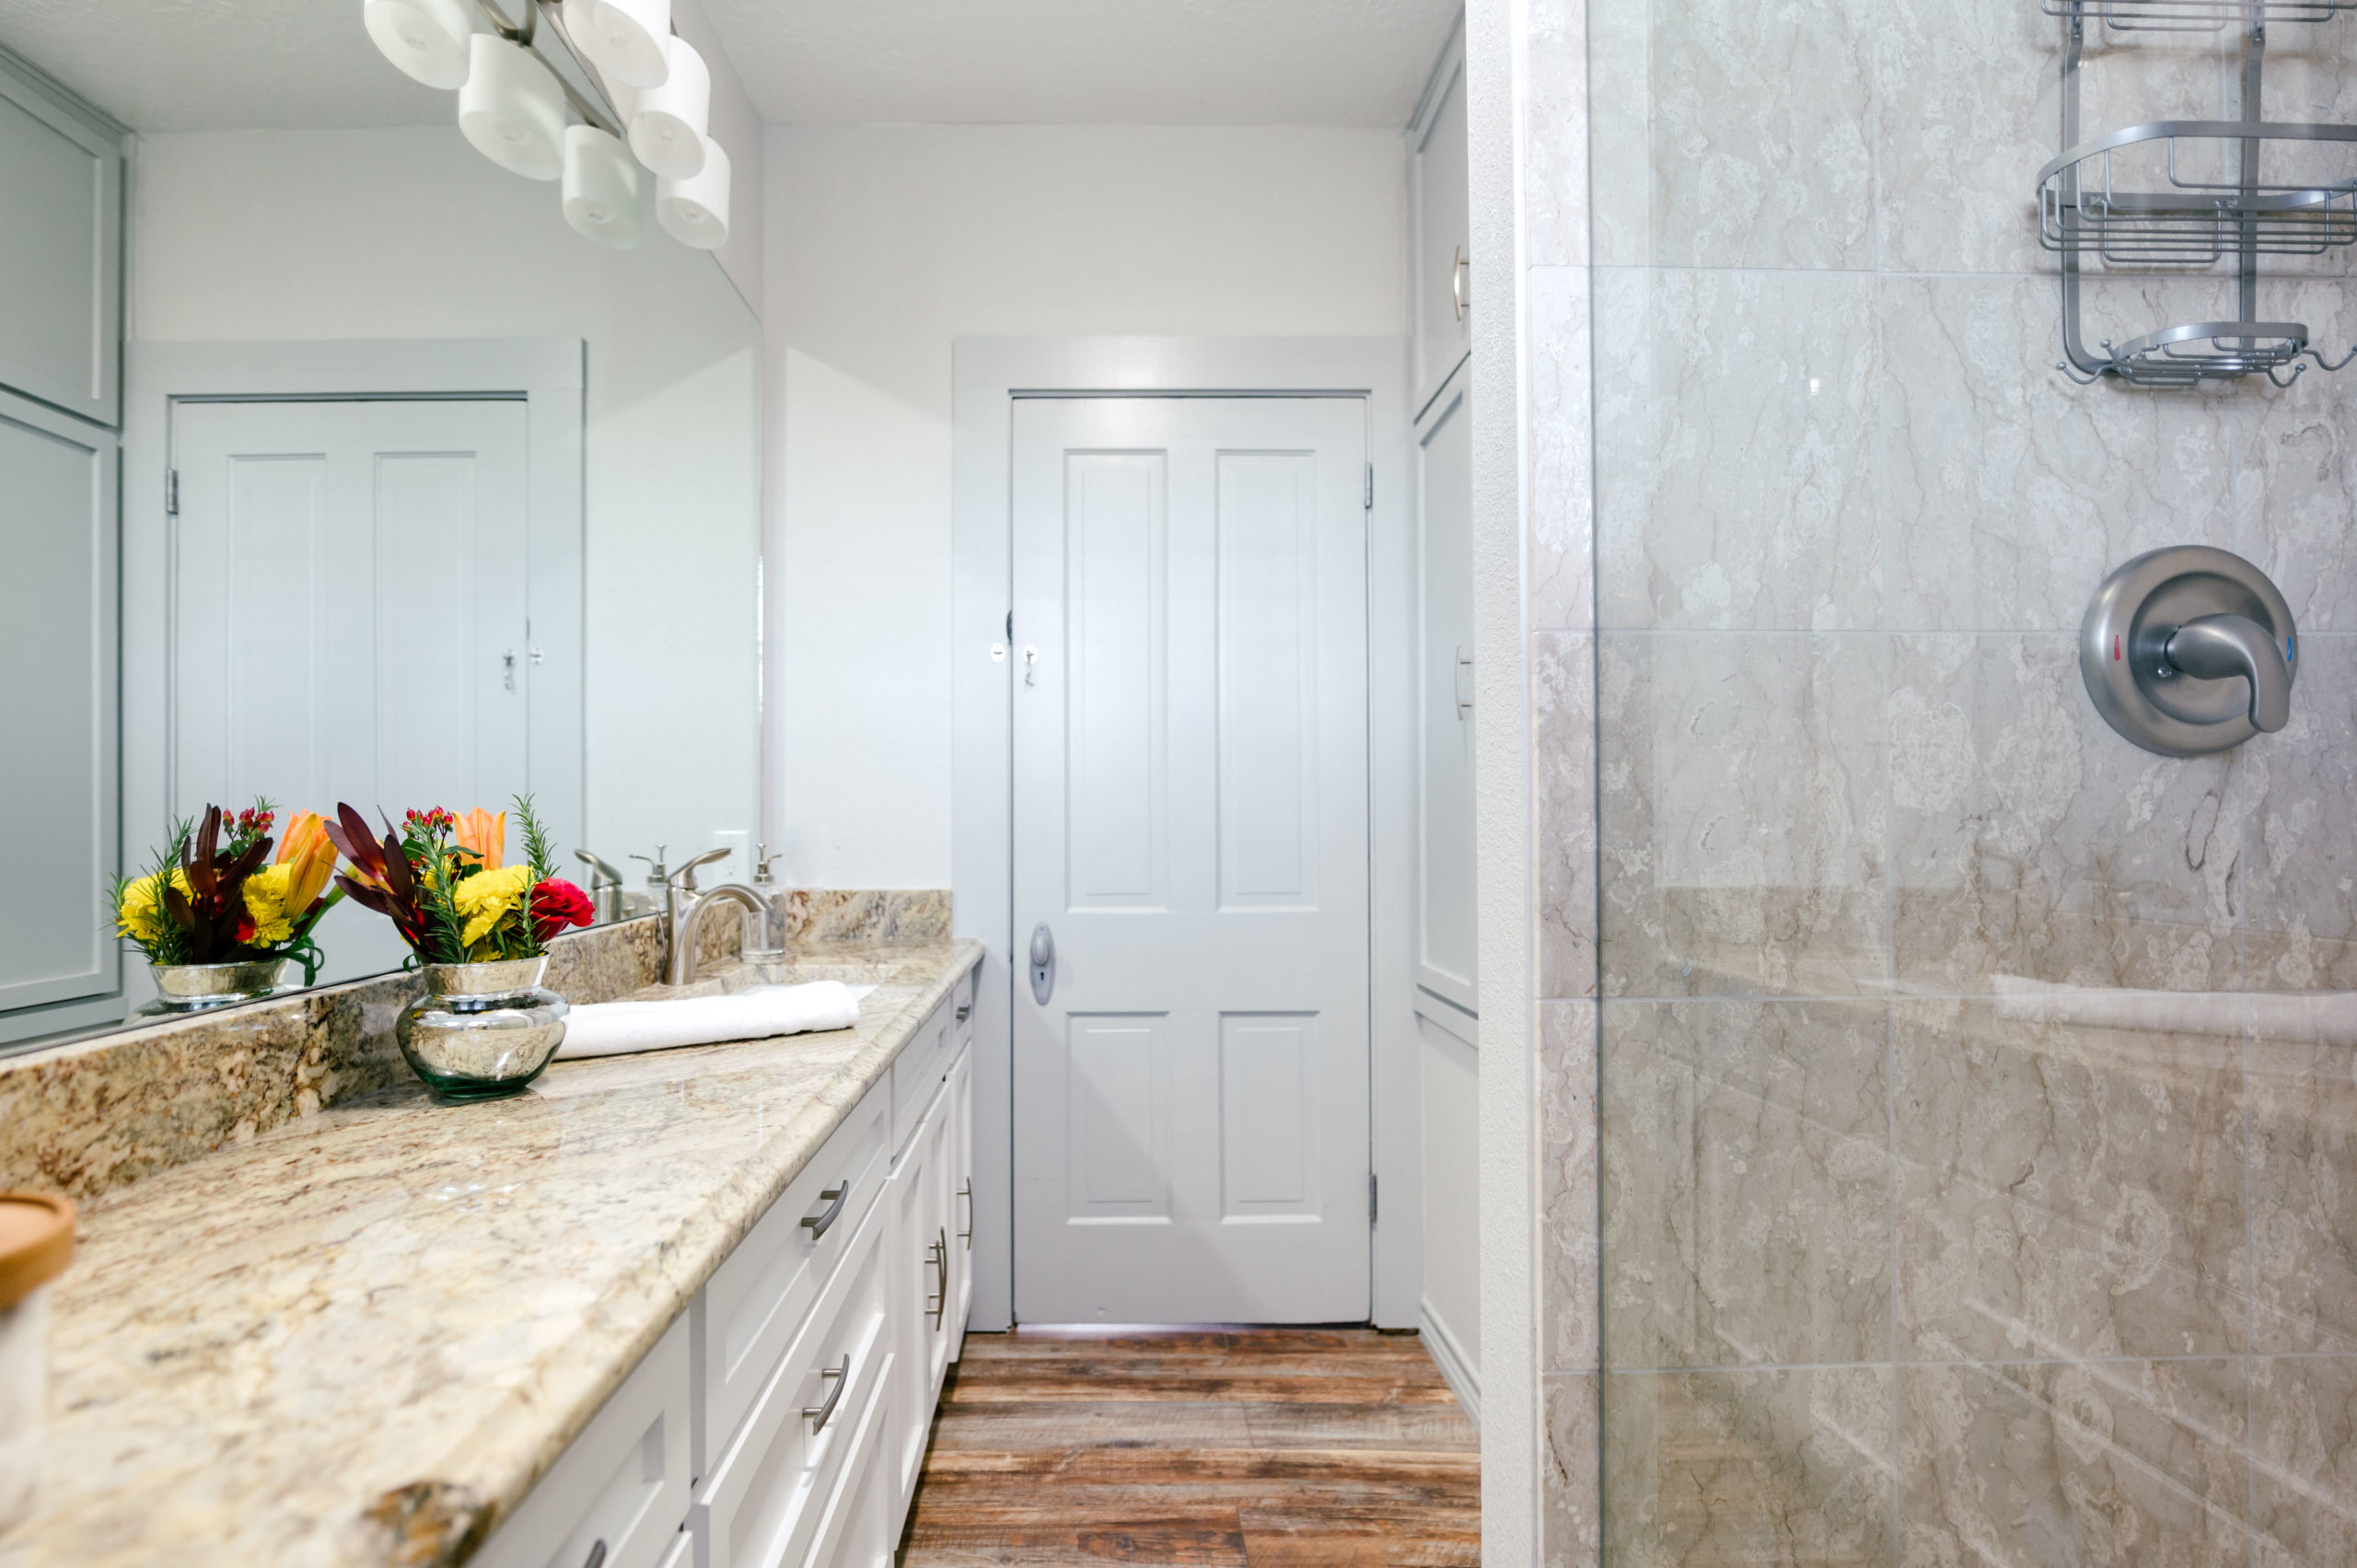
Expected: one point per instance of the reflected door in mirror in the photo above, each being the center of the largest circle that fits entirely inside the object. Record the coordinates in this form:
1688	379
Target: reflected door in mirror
349	615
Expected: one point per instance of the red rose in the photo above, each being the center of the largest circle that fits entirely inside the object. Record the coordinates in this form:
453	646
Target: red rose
557	903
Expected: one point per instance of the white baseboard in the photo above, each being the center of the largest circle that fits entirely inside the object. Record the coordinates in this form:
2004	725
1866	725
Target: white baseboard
1463	1378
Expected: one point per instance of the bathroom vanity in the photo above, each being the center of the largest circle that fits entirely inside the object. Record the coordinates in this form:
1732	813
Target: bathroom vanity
686	1310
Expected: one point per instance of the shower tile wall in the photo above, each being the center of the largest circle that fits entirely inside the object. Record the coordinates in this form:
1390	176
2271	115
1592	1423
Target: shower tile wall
1864	1247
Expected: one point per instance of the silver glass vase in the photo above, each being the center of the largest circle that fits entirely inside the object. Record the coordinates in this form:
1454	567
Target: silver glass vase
191	988
481	1031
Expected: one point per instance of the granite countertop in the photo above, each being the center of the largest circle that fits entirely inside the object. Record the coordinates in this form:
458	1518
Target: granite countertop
362	1335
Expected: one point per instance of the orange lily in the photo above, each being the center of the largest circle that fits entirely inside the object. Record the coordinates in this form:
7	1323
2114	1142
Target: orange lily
305	847
483	834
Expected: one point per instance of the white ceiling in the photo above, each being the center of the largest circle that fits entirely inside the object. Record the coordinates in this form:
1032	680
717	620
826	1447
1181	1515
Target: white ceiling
219	64
1084	62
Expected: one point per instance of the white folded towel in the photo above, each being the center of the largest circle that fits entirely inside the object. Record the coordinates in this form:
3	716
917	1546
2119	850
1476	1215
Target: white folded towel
616	1029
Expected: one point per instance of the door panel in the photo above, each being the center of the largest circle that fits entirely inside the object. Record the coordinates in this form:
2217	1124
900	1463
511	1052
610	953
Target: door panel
1191	824
1442	181
349	616
61	251
1445	831
58	613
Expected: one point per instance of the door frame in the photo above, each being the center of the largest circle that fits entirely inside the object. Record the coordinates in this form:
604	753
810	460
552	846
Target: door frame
989	375
548	374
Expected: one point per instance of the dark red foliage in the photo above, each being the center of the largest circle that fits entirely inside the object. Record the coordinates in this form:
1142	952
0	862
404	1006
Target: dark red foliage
386	883
557	903
211	913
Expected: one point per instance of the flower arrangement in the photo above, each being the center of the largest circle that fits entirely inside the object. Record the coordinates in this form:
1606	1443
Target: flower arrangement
445	883
214	895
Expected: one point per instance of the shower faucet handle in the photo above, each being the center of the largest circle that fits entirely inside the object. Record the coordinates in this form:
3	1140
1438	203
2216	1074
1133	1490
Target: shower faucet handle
2189	651
2220	647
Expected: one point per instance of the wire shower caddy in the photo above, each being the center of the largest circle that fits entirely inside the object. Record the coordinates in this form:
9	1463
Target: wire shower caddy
2191	193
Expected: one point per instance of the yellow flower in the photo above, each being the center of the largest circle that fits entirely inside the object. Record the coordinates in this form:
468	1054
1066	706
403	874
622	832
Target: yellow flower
488	897
304	849
266	898
141	918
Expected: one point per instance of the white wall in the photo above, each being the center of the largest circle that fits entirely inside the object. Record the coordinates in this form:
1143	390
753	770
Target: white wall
408	232
885	245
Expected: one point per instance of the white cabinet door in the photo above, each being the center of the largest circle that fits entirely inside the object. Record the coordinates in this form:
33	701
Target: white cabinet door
349	613
917	1219
960	1106
1445	828
1190	827
1440	195
61	251
58	798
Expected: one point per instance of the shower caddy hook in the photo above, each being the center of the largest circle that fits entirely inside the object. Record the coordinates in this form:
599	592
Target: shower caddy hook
2140	196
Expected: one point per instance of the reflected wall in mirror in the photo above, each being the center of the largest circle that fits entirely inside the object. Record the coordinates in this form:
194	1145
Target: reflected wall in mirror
404	493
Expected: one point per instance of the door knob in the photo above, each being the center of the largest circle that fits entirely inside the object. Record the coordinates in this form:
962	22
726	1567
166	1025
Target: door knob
2188	651
1043	964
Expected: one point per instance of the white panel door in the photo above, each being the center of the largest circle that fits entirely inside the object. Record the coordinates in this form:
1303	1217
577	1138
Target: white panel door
349	616
1191	825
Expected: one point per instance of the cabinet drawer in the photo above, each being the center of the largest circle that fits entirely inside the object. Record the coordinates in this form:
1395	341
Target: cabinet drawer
962	1006
918	1070
762	1504
623	1481
857	1528
756	1302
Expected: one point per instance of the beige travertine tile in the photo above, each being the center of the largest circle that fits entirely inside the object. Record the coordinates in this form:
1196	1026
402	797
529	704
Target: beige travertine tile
1747	1183
1734	169
2303	1462
2303	1110
1742	813
2133	1464
1571	1505
1567	1170
1555	175
1736	442
1971	111
2012	493
2064	1190
1747	1469
1562	502
1563	765
2030	841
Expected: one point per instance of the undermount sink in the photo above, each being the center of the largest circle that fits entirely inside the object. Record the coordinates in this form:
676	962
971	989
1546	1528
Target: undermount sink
736	977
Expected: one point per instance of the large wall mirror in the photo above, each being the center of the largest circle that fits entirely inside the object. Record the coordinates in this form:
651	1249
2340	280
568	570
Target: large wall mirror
337	466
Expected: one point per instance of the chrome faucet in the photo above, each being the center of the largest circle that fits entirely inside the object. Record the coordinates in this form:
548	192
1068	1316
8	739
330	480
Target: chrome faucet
683	908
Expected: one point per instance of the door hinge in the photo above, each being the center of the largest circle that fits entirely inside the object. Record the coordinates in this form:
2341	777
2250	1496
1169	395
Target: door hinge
1371	1207
1370	487
171	492
1010	625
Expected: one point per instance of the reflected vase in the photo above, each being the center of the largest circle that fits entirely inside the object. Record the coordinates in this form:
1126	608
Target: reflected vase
192	988
481	1031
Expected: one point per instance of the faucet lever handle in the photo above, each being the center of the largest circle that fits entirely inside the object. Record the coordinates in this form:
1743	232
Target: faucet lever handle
2217	647
686	874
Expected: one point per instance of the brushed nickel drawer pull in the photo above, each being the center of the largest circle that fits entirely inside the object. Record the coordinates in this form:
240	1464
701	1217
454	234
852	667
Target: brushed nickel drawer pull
596	1556
834	1198
937	1308
817	1414
967	1235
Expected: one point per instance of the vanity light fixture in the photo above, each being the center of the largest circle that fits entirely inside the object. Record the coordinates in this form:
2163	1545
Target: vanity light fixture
695	210
512	109
668	127
426	39
521	92
625	39
605	192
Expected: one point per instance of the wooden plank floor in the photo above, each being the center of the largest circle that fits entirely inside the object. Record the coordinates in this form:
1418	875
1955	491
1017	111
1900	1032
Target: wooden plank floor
1254	1448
